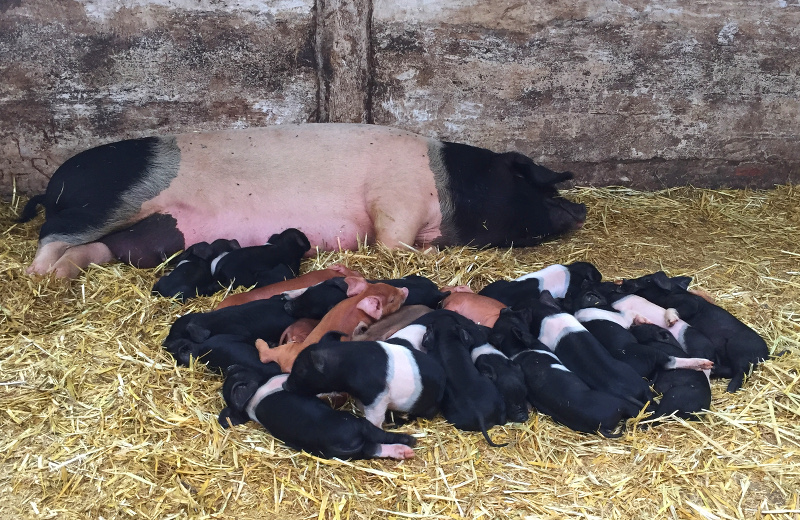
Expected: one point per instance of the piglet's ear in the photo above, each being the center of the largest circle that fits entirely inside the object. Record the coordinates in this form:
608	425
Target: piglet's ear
203	250
355	285
465	336
496	338
372	306
241	393
197	333
318	360
681	282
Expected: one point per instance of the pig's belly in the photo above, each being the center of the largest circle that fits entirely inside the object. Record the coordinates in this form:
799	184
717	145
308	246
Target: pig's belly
321	179
253	225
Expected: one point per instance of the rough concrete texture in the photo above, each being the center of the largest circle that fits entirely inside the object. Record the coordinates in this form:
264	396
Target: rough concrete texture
635	92
77	74
639	93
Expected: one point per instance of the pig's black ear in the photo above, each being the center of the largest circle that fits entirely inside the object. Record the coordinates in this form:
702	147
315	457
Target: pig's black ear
185	352
332	335
496	338
228	417
681	282
203	251
519	334
486	369
465	336
197	333
522	166
241	393
317	360
234	244
548	301
661	280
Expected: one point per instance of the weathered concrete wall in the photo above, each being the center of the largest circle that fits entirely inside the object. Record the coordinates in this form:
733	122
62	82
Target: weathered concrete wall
635	92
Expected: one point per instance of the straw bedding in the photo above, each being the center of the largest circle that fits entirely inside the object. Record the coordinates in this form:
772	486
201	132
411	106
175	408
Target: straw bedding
98	422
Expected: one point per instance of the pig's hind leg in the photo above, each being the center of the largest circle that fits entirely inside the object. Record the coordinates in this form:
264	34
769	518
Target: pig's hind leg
380	443
77	258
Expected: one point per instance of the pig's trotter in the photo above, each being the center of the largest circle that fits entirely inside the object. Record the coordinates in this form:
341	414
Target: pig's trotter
641	320
690	363
395	451
671	316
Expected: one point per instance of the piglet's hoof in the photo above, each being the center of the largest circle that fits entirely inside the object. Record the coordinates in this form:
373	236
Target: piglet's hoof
396	451
694	363
641	320
671	316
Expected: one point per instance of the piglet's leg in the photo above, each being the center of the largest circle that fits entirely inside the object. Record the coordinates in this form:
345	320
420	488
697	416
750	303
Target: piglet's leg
376	412
395	451
284	355
641	320
671	316
689	363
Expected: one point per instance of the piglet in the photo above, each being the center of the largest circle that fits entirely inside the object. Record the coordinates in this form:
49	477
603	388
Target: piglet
556	391
350	316
507	376
256	265
562	281
380	375
471	401
480	309
512	292
258	319
684	392
220	352
316	301
301	282
306	423
738	347
192	274
582	354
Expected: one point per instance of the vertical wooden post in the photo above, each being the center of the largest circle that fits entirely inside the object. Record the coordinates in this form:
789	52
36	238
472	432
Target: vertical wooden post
344	56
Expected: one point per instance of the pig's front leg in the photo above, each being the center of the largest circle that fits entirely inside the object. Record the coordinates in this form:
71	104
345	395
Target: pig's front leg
376	411
671	317
689	363
395	230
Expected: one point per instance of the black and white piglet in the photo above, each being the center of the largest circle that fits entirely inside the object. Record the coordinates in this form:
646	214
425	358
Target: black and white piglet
507	376
738	347
192	275
266	319
684	392
471	401
582	354
306	423
556	391
261	265
381	375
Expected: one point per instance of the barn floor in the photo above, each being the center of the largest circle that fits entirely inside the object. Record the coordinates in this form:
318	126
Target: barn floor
97	422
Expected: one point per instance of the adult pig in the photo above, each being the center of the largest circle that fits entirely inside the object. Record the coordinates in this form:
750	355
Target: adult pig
141	200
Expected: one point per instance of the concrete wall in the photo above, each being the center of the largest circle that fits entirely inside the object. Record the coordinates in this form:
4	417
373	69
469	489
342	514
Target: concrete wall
640	93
